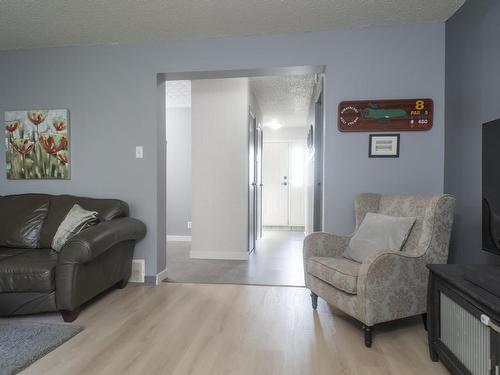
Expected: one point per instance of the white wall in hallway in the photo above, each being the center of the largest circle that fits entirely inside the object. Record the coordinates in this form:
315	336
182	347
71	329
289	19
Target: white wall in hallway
220	168
178	132
285	134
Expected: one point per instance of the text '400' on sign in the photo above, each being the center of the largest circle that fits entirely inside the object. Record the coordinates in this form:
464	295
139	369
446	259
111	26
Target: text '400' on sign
385	115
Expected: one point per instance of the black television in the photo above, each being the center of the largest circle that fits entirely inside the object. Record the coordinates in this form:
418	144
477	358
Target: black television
491	187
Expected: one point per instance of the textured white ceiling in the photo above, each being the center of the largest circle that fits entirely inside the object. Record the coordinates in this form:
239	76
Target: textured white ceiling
284	99
46	23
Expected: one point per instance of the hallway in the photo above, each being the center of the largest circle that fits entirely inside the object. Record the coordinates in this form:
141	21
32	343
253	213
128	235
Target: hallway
277	260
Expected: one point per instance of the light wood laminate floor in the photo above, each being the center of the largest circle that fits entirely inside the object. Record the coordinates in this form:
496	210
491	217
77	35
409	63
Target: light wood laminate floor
199	329
277	260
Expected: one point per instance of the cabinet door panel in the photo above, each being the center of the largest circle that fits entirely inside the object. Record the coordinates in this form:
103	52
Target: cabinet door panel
464	335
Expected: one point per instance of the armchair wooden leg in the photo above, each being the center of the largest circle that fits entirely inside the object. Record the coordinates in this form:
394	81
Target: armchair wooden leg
368	335
424	320
69	316
314	300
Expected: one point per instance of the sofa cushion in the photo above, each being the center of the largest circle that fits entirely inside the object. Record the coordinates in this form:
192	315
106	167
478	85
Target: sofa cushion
60	205
22	218
27	270
341	273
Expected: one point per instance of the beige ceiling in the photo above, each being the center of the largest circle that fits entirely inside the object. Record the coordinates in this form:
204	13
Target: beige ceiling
42	23
284	99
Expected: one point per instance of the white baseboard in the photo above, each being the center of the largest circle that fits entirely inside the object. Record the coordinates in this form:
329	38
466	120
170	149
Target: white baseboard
161	276
226	255
178	238
156	279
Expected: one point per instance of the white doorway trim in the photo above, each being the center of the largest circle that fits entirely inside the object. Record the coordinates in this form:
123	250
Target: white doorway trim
161	227
178	238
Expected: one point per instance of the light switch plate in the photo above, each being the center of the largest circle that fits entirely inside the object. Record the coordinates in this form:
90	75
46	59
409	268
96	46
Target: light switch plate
139	152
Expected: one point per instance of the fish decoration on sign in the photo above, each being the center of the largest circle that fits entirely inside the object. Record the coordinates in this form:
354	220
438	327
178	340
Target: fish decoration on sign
385	115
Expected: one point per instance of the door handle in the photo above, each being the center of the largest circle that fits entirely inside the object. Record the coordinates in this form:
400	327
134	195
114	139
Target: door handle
253	184
485	319
284	183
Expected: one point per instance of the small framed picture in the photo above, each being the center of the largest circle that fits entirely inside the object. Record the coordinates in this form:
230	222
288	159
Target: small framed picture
384	146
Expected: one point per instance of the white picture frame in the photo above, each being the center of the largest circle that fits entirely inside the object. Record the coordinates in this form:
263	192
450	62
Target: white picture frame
383	146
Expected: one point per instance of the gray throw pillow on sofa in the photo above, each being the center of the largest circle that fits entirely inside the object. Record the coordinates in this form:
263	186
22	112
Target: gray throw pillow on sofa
378	232
75	221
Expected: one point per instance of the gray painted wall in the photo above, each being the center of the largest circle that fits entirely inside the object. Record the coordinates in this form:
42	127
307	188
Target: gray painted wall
115	104
178	171
472	98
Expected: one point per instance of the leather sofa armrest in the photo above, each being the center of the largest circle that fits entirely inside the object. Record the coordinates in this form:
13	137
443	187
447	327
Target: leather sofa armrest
94	241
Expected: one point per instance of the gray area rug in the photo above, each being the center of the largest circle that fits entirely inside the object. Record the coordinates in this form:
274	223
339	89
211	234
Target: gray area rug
22	343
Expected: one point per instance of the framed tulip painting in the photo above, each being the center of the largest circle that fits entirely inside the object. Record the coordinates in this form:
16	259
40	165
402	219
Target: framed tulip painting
37	144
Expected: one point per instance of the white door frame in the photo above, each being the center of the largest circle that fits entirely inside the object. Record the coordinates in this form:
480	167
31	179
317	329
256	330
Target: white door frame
161	160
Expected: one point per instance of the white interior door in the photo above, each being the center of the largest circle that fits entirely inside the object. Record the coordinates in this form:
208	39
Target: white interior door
275	197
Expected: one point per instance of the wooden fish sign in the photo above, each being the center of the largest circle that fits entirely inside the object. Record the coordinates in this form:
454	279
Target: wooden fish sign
385	115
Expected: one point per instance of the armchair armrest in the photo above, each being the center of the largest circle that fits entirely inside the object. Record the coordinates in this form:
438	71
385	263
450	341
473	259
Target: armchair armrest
321	244
392	285
94	241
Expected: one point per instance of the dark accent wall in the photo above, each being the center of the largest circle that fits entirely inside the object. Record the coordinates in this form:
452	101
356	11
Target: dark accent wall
472	98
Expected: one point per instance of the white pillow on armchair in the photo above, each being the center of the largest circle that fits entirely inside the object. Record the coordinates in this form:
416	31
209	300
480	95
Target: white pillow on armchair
378	232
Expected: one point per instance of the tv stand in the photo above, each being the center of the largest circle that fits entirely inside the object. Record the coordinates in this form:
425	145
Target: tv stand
463	319
484	276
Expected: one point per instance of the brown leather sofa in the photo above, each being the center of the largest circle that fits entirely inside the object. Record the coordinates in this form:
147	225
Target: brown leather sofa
34	278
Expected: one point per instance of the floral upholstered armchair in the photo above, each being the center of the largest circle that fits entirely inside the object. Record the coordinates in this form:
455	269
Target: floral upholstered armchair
388	285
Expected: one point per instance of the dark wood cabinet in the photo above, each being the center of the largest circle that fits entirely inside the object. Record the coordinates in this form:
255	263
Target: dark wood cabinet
463	322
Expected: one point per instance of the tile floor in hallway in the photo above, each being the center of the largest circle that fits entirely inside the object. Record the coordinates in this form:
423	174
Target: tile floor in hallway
277	260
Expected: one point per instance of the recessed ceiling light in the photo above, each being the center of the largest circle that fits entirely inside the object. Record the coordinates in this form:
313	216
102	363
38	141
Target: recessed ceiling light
275	125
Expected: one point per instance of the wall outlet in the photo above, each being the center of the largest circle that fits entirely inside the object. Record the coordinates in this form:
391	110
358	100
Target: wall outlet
190	224
138	271
139	152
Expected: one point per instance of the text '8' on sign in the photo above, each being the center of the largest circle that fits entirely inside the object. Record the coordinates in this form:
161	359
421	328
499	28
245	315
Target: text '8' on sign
386	115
